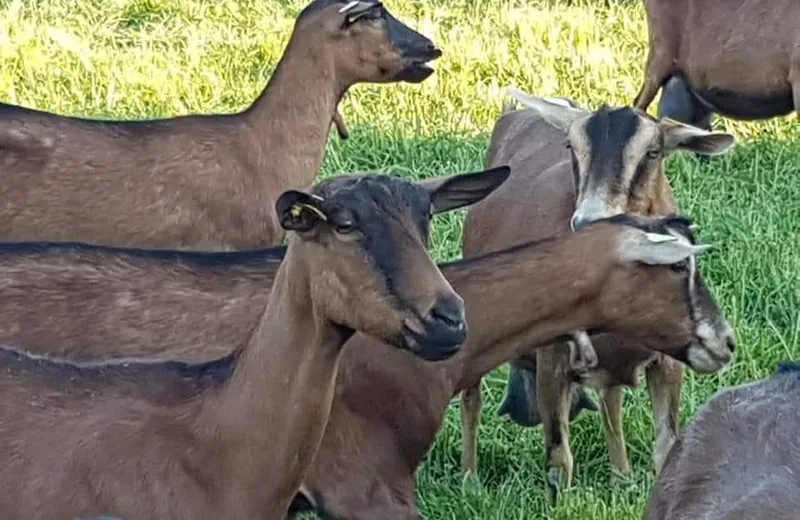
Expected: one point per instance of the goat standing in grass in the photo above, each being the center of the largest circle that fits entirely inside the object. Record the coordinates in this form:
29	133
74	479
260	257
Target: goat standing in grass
201	181
738	458
629	275
569	167
83	301
232	438
737	58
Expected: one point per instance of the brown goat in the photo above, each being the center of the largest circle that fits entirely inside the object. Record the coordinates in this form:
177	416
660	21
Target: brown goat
388	407
201	181
738	58
615	158
116	302
738	456
232	438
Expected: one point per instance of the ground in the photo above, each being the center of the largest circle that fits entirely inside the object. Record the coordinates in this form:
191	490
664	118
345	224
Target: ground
153	58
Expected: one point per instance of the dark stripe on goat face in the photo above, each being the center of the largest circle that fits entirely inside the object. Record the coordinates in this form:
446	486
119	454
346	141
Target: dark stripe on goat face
608	132
392	215
644	168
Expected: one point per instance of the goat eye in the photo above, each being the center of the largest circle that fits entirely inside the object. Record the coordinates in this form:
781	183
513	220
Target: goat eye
679	266
345	226
654	153
567	145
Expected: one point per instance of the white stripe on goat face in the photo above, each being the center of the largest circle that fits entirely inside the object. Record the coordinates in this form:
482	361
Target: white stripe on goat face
702	327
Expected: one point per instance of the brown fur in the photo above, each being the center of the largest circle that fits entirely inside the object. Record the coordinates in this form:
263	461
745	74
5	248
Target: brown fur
739	56
388	407
540	199
223	294
232	438
737	458
197	181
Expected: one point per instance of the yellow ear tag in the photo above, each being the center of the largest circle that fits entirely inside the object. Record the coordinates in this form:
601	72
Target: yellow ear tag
298	208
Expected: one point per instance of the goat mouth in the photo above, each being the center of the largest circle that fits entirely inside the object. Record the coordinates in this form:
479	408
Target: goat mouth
426	346
704	360
418	69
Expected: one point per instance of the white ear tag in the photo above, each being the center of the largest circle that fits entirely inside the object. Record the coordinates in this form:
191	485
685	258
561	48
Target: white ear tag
657	238
349	6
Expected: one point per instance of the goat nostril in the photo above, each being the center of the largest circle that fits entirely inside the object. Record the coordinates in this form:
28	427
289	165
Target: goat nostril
730	343
449	311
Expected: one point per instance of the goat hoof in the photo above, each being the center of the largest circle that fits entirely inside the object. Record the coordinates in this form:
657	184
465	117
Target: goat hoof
554	479
470	482
623	479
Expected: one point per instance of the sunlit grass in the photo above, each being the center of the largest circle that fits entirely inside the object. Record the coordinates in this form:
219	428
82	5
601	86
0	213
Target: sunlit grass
152	58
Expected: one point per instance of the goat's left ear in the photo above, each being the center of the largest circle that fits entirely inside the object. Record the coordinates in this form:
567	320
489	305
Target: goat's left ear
299	211
656	248
457	191
682	137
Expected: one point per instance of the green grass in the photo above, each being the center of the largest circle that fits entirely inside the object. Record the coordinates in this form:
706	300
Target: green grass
145	58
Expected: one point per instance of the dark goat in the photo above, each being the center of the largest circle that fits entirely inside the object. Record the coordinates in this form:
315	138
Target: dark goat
738	58
738	458
201	181
232	438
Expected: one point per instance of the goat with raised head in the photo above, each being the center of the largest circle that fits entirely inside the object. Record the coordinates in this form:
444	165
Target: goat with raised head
570	166
737	457
627	275
233	437
738	58
201	181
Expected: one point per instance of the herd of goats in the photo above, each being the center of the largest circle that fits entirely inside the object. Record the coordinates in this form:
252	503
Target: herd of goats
168	358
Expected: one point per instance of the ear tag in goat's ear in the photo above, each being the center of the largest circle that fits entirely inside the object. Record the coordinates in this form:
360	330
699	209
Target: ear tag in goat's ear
349	6
297	209
657	238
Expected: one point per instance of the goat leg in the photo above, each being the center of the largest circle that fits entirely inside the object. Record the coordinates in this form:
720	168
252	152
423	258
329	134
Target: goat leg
611	407
341	127
794	77
657	70
664	381
553	399
471	404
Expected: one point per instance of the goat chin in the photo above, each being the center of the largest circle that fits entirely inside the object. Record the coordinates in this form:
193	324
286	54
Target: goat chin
703	361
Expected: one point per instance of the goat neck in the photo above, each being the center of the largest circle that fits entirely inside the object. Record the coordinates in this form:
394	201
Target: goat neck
285	373
544	293
291	119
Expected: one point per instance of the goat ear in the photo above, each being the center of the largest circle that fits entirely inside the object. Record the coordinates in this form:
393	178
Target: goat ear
656	248
560	113
298	211
356	9
682	137
457	191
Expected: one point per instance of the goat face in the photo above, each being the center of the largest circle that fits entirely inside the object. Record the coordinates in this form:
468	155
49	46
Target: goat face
368	262
675	313
617	154
368	44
